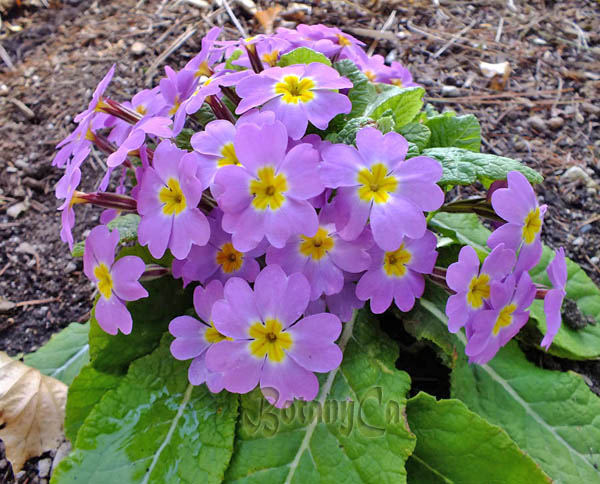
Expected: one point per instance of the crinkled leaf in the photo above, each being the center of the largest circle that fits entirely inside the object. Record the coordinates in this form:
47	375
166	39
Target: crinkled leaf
405	102
551	415
449	130
127	225
416	133
64	354
229	65
151	317
361	94
204	115
361	436
154	427
455	445
413	150
385	124
84	393
32	408
183	139
463	167
569	343
302	55
347	134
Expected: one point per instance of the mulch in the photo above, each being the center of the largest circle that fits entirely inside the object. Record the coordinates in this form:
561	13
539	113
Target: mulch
545	114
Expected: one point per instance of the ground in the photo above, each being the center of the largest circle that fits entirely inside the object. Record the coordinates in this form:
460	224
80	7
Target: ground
546	114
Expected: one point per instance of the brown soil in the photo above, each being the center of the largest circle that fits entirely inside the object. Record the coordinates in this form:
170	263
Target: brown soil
547	113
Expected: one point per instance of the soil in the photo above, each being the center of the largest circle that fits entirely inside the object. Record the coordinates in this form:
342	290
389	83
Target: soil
545	113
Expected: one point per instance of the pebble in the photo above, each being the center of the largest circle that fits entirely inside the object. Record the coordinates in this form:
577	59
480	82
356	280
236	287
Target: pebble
537	123
590	108
595	260
556	122
576	173
578	241
138	48
44	467
450	91
71	267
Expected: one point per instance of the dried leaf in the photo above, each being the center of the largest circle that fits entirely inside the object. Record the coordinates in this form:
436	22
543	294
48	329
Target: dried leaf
32	410
267	17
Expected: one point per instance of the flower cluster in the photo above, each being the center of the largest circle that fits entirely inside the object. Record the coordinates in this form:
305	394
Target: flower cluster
284	233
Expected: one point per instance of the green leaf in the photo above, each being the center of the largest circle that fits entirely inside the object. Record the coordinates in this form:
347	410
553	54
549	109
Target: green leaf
456	445
568	343
355	431
416	133
237	53
154	427
463	167
64	354
347	134
151	317
551	415
303	55
404	102
84	393
385	124
127	225
449	130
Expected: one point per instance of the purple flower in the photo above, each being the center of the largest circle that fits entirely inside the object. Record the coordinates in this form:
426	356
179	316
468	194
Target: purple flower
492	328
201	64
472	285
397	275
376	70
218	259
323	258
267	195
193	337
270	344
96	97
518	205
557	273
176	88
167	202
297	94
212	87
117	282
342	304
375	182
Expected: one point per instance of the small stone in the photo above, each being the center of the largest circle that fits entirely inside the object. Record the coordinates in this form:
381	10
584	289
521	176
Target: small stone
579	118
71	267
537	123
595	260
556	122
17	209
578	241
44	467
138	48
539	41
26	248
450	91
590	108
576	173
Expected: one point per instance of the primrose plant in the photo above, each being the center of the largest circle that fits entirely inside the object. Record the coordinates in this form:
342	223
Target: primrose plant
260	206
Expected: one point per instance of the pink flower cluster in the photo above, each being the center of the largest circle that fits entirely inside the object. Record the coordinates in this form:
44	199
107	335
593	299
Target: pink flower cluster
284	234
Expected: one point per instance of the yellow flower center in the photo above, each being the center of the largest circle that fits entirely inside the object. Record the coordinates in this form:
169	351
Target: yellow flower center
376	184
228	156
271	58
269	340
212	335
229	259
343	41
295	89
172	197
479	289
141	109
504	318
105	283
370	75
203	70
533	225
317	246
268	190
396	82
175	107
394	262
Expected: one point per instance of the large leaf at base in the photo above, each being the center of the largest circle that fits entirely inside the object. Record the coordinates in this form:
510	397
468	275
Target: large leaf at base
405	103
463	167
84	393
32	407
575	344
64	354
303	55
458	131
551	415
151	317
455	445
362	435
155	427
